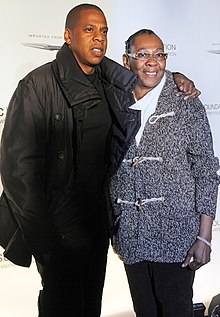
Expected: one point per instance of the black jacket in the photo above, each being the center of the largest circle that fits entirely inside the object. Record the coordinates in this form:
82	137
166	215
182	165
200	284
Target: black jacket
41	138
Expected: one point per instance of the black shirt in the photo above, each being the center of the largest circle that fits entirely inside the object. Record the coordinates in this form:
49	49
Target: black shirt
91	162
86	209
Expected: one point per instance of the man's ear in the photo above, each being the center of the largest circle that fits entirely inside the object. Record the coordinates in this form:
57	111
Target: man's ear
67	37
126	61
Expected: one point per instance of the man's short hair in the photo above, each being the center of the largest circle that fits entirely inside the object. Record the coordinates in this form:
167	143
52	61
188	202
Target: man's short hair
74	14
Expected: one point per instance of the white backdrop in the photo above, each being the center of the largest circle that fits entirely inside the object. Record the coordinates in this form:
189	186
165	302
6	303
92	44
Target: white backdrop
190	30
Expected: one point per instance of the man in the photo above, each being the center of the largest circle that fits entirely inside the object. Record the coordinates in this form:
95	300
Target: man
66	116
164	194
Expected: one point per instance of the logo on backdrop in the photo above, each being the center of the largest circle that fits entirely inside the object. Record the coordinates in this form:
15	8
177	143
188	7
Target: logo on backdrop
216	225
215	48
214	51
46	37
170	49
40	41
43	46
2	115
212	108
2	112
5	263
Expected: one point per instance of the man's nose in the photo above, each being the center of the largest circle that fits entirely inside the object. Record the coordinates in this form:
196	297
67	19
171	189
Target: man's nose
99	36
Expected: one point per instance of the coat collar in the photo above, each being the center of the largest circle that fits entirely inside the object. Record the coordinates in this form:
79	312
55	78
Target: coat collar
77	88
117	75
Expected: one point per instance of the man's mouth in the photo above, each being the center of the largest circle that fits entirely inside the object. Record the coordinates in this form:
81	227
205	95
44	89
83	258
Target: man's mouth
97	51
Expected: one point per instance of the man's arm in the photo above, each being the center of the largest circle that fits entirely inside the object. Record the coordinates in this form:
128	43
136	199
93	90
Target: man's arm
23	170
186	86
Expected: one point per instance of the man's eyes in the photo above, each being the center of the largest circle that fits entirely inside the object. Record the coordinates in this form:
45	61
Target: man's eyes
90	29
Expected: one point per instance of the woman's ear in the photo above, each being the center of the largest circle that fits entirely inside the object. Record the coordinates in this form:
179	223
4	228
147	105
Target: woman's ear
126	61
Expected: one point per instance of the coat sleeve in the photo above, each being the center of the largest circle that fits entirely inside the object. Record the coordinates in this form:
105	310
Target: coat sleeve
23	165
203	162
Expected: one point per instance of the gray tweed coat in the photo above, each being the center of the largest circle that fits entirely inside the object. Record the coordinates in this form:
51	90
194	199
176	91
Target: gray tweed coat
157	200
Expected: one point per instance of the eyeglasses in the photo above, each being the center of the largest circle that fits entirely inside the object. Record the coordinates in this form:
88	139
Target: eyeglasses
145	56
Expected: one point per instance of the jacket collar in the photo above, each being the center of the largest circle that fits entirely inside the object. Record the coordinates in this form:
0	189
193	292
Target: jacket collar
77	88
117	75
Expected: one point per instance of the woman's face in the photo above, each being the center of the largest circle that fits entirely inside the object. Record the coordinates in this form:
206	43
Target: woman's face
150	71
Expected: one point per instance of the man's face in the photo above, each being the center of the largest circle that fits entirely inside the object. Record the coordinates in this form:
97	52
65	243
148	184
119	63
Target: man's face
88	39
150	72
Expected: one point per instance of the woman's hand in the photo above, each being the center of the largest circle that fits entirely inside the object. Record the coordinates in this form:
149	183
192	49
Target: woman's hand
198	255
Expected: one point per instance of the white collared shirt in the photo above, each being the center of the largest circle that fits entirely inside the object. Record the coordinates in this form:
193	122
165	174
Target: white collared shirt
147	106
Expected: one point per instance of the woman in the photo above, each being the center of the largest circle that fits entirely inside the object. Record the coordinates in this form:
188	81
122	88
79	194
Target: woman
164	193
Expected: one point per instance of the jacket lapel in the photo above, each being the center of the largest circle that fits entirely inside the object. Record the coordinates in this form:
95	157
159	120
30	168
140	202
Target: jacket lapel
76	87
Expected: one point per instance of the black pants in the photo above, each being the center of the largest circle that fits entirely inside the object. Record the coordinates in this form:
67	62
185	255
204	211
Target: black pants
73	281
160	289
